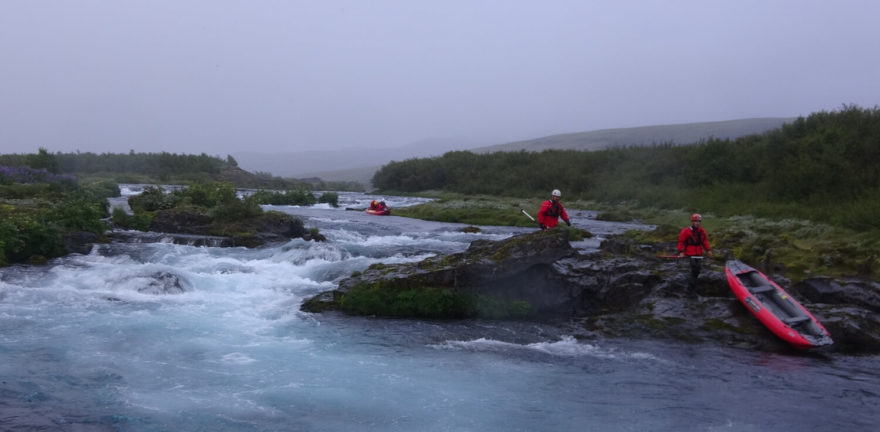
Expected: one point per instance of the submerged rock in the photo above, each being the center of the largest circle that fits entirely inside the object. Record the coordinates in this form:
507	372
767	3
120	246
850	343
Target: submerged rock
613	292
162	283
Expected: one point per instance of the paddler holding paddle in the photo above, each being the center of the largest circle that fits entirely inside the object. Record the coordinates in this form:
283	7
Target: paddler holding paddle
551	210
692	242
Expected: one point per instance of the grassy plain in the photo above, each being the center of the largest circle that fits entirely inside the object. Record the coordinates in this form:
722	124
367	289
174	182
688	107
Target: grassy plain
795	248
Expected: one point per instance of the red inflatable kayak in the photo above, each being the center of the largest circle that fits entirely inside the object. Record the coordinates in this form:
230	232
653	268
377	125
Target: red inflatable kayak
775	308
385	212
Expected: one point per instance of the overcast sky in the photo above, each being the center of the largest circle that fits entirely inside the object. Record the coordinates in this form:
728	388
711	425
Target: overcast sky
226	76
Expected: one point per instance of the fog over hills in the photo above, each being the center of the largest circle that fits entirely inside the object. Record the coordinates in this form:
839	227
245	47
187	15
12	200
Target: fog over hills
335	164
359	164
688	133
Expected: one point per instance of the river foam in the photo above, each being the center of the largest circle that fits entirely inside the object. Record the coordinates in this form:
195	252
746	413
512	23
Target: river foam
157	336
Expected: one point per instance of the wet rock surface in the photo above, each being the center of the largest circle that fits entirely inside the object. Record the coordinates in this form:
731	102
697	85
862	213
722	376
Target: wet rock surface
193	228
621	293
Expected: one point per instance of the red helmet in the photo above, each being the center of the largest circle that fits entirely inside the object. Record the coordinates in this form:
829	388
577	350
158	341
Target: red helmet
696	217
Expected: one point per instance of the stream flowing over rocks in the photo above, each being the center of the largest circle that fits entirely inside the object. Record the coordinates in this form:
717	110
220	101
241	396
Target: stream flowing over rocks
618	293
197	332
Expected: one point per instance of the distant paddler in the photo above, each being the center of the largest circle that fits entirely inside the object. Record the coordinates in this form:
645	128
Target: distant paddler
551	210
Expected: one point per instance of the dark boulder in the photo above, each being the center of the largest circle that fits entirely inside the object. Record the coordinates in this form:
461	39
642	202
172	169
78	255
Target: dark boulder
181	221
161	283
268	227
79	242
496	279
852	291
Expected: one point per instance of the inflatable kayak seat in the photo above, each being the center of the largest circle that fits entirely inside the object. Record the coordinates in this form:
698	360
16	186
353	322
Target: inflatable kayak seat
796	320
762	289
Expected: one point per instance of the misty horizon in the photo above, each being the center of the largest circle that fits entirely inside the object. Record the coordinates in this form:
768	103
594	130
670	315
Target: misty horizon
220	77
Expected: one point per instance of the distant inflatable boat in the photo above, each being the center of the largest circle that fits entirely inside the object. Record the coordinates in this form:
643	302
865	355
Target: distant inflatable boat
384	212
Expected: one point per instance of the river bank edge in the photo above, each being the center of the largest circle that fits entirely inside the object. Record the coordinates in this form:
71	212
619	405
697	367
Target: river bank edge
622	290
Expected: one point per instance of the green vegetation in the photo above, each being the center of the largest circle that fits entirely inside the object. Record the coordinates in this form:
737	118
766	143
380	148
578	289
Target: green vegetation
475	210
40	208
295	197
218	201
42	202
397	301
153	168
798	248
378	299
820	168
209	209
46	197
803	198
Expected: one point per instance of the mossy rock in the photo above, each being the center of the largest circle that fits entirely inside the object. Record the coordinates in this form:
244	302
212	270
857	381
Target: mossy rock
719	324
388	300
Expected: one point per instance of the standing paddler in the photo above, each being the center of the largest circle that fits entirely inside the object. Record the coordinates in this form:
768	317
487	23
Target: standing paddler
551	210
693	242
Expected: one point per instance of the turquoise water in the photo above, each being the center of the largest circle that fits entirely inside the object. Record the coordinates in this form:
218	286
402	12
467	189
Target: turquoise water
165	337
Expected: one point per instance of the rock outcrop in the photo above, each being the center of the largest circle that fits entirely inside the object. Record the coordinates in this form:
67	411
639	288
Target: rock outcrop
613	292
268	227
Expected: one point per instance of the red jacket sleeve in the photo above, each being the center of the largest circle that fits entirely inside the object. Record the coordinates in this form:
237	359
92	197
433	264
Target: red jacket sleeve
682	238
543	211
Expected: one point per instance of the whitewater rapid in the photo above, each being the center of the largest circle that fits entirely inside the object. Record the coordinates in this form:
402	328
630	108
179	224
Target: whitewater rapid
166	337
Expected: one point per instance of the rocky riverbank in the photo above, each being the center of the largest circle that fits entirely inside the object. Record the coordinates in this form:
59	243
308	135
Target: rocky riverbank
623	290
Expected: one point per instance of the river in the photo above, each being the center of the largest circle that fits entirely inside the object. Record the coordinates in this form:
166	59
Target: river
99	342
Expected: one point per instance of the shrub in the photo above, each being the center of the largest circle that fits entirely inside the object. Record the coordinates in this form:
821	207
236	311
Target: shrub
236	209
78	214
139	221
289	197
23	239
331	198
153	198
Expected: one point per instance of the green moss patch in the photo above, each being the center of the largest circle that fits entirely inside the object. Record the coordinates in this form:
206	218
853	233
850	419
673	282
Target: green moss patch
391	300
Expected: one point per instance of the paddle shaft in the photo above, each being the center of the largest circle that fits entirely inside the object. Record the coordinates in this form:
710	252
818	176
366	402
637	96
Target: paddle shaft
686	256
528	215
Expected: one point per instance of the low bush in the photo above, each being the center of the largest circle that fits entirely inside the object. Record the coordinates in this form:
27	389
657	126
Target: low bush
288	197
331	198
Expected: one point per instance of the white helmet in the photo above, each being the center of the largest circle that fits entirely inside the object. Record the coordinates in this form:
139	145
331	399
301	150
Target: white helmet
556	193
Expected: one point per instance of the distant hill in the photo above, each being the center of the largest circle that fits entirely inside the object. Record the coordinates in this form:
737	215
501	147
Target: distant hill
686	133
359	165
362	175
341	163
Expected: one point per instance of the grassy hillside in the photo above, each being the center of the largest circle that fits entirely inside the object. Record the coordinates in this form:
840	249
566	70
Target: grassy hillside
687	133
821	168
359	165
